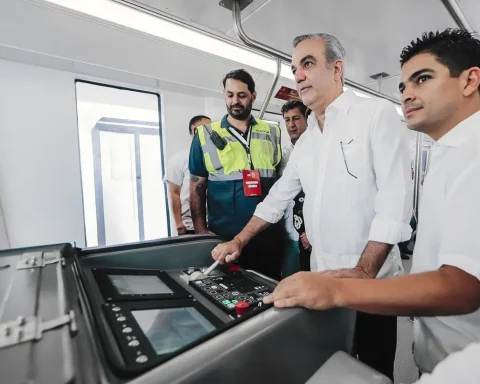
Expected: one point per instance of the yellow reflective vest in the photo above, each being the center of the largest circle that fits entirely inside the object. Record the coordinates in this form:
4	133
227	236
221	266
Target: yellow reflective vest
228	163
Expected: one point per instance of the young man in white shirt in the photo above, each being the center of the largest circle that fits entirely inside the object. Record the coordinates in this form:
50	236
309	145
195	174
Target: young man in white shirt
178	180
440	88
354	167
460	368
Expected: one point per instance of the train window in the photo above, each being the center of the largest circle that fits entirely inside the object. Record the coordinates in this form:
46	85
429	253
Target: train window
121	157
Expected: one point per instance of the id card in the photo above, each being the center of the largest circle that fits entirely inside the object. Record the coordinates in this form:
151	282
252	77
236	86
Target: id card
251	183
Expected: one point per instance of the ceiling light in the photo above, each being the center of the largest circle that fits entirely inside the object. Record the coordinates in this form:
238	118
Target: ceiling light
144	22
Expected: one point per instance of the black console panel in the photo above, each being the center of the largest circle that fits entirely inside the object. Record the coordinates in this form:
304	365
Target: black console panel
226	291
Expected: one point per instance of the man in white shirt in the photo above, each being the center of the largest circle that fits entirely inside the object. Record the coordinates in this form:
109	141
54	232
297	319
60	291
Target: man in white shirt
460	368
354	167
178	180
440	88
297	256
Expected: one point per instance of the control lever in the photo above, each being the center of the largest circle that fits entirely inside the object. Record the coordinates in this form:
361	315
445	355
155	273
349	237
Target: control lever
211	268
200	275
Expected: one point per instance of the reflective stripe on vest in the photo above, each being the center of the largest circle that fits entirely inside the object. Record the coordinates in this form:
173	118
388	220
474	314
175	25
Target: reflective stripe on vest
228	164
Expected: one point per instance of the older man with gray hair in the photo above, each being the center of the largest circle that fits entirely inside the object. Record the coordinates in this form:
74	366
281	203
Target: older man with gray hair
354	167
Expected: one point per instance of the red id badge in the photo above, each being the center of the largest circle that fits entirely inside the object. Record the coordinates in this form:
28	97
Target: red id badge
251	183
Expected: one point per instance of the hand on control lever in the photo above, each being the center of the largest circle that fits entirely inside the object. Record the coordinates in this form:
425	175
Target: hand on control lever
227	252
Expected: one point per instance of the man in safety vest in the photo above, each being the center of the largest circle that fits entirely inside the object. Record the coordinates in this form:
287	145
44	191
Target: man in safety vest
233	164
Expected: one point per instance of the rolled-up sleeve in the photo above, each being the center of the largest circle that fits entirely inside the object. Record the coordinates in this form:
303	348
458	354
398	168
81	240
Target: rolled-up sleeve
391	162
281	194
460	238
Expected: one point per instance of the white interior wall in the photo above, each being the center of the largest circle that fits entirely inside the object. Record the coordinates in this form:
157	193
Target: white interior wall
4	242
40	180
39	165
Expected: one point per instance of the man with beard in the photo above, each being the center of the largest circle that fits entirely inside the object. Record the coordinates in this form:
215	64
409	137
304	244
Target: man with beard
233	164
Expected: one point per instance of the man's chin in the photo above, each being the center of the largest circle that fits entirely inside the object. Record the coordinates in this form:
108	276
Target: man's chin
294	137
414	125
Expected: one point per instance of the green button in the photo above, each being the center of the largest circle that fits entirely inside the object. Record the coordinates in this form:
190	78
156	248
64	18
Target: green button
234	301
226	302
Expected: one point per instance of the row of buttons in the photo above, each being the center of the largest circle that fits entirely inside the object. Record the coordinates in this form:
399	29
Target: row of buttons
133	342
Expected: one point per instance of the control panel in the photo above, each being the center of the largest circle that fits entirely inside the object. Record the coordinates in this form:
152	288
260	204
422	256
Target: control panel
226	291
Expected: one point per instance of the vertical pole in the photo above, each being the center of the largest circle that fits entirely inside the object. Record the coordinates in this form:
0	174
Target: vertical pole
270	91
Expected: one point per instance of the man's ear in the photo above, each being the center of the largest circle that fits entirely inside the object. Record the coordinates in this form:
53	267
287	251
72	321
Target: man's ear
338	69
471	81
254	96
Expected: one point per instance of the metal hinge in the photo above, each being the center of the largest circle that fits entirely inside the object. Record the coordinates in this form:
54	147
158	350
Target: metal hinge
40	259
31	329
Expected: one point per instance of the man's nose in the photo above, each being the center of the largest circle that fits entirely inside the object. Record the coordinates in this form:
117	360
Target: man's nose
299	76
407	96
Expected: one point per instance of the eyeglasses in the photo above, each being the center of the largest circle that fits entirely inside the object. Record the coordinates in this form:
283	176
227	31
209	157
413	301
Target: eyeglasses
345	159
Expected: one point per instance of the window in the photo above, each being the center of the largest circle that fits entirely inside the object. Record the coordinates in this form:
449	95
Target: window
121	158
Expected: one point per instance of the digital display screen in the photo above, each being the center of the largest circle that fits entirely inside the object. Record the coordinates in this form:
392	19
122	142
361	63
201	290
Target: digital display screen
138	284
172	328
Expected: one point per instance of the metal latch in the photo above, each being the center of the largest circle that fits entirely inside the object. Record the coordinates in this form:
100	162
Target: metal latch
40	259
31	329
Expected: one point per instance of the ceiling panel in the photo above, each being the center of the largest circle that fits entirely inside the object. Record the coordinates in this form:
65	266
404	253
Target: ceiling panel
207	13
471	11
373	33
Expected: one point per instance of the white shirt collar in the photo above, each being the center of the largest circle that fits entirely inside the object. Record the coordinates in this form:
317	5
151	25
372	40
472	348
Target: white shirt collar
341	104
458	134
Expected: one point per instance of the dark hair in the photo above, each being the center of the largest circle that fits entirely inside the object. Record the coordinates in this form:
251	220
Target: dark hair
292	104
240	75
194	120
456	49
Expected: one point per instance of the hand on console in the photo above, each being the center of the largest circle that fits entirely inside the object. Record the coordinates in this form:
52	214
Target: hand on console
227	252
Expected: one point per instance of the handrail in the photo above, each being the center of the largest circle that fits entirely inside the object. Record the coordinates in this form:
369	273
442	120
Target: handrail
457	15
270	91
237	24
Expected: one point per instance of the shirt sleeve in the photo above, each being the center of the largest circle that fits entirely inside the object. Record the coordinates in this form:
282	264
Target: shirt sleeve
460	237
460	368
286	151
280	195
174	173
391	162
196	164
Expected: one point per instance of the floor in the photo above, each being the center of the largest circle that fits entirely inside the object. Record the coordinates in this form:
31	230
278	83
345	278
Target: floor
406	371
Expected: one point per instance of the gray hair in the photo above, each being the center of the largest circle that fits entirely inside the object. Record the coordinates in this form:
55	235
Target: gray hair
333	48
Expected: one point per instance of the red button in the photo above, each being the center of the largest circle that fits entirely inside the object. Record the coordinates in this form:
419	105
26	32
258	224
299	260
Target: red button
241	307
233	267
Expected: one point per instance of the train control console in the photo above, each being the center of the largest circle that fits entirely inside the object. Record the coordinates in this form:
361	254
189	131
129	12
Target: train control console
145	313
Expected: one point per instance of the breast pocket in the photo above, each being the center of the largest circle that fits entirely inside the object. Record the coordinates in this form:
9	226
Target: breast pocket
350	153
354	171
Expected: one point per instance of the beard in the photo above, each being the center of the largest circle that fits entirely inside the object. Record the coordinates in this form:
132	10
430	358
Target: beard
243	113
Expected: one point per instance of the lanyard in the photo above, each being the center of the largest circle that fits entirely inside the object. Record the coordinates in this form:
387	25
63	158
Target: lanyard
245	143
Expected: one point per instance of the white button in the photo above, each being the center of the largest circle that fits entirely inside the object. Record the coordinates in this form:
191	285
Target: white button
127	330
142	359
134	343
121	318
115	309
